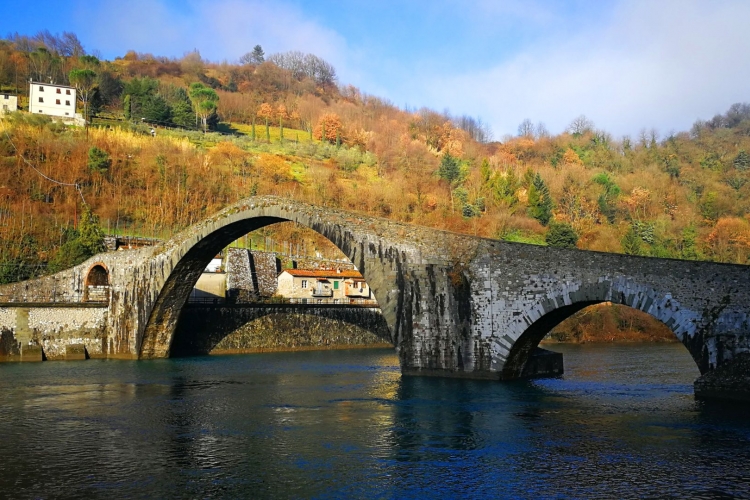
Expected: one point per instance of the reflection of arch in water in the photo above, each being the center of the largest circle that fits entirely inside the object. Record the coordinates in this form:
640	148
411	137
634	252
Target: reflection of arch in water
662	307
97	283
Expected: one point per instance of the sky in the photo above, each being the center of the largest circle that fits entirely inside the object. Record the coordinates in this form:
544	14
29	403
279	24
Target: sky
625	65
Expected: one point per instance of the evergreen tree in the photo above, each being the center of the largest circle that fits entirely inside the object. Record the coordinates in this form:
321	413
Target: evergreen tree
561	235
99	160
80	244
741	161
631	242
689	250
540	200
450	169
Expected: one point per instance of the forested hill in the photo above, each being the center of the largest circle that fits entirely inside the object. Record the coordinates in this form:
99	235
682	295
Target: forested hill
282	124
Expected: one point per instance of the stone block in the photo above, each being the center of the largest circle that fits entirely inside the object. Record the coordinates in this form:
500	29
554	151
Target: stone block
31	353
75	352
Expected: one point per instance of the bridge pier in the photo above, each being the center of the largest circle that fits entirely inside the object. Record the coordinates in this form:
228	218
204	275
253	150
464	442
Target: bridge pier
730	381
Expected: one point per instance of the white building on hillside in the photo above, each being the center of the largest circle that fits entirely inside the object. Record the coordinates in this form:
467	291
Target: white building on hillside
8	103
53	100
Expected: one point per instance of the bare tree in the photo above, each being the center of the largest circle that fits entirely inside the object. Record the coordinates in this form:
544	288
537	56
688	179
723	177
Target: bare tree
580	125
541	130
526	129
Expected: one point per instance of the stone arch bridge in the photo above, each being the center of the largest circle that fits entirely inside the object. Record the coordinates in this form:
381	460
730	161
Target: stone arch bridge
455	305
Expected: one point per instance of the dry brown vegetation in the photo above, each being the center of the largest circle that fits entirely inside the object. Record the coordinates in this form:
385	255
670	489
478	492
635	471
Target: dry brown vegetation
609	322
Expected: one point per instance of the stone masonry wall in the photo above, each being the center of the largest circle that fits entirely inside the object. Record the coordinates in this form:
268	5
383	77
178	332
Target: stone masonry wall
265	270
55	328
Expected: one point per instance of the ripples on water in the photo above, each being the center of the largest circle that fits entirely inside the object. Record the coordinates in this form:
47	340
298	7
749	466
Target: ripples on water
622	423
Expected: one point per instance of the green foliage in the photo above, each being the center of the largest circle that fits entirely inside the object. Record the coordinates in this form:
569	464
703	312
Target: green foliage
671	166
736	182
99	160
126	106
84	80
461	195
180	108
631	243
19	260
645	231
741	161
607	207
561	235
711	161
504	187
204	101
349	159
450	169
523	237
540	200
610	187
468	210
80	244
486	171
708	206
689	248
154	109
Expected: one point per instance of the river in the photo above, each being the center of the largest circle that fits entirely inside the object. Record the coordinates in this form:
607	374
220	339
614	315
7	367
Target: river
621	423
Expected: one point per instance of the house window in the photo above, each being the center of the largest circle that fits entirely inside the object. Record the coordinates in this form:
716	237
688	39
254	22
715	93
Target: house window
57	101
41	89
67	91
335	285
5	107
41	99
304	283
59	91
67	103
66	113
6	96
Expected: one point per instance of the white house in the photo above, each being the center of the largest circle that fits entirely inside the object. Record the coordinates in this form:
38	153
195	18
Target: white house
53	100
324	285
8	103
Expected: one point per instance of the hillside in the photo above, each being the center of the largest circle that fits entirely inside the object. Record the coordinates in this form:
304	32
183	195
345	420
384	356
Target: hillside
283	125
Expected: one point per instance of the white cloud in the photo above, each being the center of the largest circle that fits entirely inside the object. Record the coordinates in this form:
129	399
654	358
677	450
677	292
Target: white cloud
219	29
660	64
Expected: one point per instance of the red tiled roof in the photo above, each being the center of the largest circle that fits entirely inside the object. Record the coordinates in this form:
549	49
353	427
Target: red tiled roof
326	273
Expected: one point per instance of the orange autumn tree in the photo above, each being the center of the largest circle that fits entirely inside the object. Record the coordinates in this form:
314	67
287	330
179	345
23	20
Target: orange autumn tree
329	129
729	241
265	112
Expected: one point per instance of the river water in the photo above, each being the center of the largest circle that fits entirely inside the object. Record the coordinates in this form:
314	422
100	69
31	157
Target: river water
621	423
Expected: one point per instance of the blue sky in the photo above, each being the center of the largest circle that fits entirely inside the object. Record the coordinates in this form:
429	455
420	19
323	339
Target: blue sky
627	65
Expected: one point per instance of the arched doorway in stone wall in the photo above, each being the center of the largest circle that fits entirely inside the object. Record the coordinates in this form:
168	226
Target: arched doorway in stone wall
97	284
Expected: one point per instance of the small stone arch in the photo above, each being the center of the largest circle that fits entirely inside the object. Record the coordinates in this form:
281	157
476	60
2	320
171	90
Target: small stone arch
97	283
557	307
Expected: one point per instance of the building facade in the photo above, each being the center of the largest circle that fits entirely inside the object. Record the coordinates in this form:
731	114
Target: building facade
8	103
52	100
324	286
